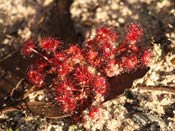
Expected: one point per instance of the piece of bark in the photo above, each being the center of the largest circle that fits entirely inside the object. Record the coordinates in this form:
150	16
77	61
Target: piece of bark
59	22
124	81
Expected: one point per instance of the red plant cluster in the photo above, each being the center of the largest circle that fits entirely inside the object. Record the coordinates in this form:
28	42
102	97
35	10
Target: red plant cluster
79	75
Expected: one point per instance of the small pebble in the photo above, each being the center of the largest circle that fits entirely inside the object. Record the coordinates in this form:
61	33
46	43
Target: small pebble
173	61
